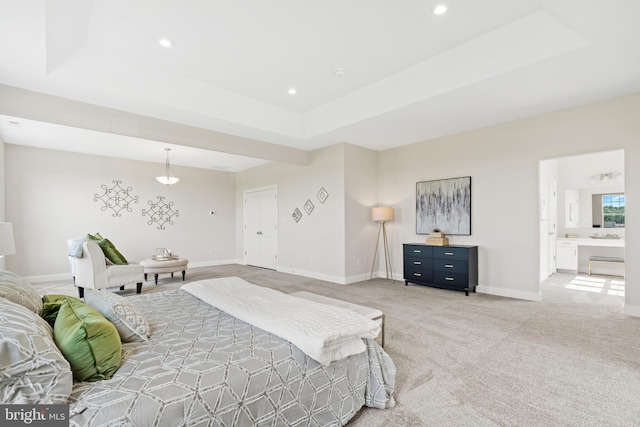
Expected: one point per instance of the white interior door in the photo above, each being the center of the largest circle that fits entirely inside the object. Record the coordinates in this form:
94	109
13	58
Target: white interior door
548	224
552	225
261	228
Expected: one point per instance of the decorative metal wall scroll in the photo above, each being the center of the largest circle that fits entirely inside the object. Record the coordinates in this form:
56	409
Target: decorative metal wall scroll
160	213
116	198
297	215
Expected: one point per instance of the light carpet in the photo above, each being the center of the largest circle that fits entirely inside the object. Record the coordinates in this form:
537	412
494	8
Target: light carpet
571	360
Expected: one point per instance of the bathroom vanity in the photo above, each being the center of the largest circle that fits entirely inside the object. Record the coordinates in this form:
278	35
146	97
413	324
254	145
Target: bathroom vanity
568	250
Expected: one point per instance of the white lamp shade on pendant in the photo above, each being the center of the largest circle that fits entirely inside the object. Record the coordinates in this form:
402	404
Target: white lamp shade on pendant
167	178
382	213
7	244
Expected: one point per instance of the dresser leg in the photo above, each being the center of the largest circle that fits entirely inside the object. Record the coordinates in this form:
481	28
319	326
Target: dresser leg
406	283
466	291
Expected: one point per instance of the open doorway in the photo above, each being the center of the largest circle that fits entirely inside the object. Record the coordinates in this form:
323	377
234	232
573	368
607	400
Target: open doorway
582	205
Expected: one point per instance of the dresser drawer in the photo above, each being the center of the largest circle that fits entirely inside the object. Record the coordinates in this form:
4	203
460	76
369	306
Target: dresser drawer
418	263
418	274
451	265
451	278
418	251
445	252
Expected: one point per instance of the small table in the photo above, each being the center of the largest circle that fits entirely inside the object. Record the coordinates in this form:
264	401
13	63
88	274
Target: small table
161	266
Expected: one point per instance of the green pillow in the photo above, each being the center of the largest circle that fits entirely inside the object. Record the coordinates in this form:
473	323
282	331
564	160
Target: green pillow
51	304
111	252
88	341
96	236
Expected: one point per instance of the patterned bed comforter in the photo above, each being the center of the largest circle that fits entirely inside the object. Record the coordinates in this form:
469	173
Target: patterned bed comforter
204	367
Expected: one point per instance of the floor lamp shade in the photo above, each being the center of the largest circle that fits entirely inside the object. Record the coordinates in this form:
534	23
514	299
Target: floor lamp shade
7	244
382	213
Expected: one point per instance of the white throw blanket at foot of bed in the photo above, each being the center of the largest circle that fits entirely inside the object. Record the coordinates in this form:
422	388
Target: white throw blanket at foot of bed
323	332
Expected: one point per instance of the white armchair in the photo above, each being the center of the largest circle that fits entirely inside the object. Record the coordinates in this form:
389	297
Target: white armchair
92	272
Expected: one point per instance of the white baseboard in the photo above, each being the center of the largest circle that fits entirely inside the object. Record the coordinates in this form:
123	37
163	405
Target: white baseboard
67	276
313	275
357	278
211	263
509	293
48	278
631	310
336	279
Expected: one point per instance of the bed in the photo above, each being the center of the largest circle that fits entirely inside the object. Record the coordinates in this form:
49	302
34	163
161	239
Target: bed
202	366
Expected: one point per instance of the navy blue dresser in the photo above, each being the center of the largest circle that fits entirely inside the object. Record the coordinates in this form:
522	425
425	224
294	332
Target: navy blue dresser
452	267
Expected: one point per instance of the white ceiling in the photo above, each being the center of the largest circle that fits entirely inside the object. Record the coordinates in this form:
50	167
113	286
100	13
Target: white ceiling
409	75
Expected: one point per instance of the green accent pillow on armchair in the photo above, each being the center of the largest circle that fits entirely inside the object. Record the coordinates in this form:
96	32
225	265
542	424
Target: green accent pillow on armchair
111	252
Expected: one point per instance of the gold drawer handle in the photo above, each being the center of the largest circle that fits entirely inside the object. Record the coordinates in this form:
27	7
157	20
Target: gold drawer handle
449	278
417	274
417	262
448	265
448	253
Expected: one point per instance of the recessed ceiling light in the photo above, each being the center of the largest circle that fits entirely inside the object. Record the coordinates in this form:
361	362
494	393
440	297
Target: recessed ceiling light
440	9
165	42
292	91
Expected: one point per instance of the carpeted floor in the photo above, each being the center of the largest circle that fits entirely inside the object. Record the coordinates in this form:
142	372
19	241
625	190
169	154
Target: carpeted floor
571	360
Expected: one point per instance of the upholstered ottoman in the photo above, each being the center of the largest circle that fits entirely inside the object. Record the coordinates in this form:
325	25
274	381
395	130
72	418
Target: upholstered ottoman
371	313
155	267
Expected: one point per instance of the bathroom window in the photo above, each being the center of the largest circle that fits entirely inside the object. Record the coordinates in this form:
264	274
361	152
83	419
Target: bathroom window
613	210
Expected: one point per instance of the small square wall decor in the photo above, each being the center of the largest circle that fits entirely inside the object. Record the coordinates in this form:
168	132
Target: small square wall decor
308	207
297	215
322	195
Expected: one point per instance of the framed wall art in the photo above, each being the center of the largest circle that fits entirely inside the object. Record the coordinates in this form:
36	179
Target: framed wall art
444	204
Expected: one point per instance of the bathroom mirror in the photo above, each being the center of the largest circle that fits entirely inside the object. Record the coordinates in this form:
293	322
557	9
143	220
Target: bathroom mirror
607	210
592	208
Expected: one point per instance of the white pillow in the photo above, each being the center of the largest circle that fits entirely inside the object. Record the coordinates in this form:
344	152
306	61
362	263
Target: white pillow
32	369
131	324
18	290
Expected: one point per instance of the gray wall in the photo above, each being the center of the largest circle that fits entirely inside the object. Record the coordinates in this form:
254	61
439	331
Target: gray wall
313	247
503	162
51	198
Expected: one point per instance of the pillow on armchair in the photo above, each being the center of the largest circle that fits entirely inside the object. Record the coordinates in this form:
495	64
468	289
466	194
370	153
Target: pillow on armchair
110	252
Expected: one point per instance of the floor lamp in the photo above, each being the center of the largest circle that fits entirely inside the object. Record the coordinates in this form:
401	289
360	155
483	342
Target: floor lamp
382	214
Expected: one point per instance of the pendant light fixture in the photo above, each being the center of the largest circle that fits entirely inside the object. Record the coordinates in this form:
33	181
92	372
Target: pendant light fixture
167	178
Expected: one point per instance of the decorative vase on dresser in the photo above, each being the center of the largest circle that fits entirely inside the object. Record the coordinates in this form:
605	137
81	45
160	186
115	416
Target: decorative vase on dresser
452	267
